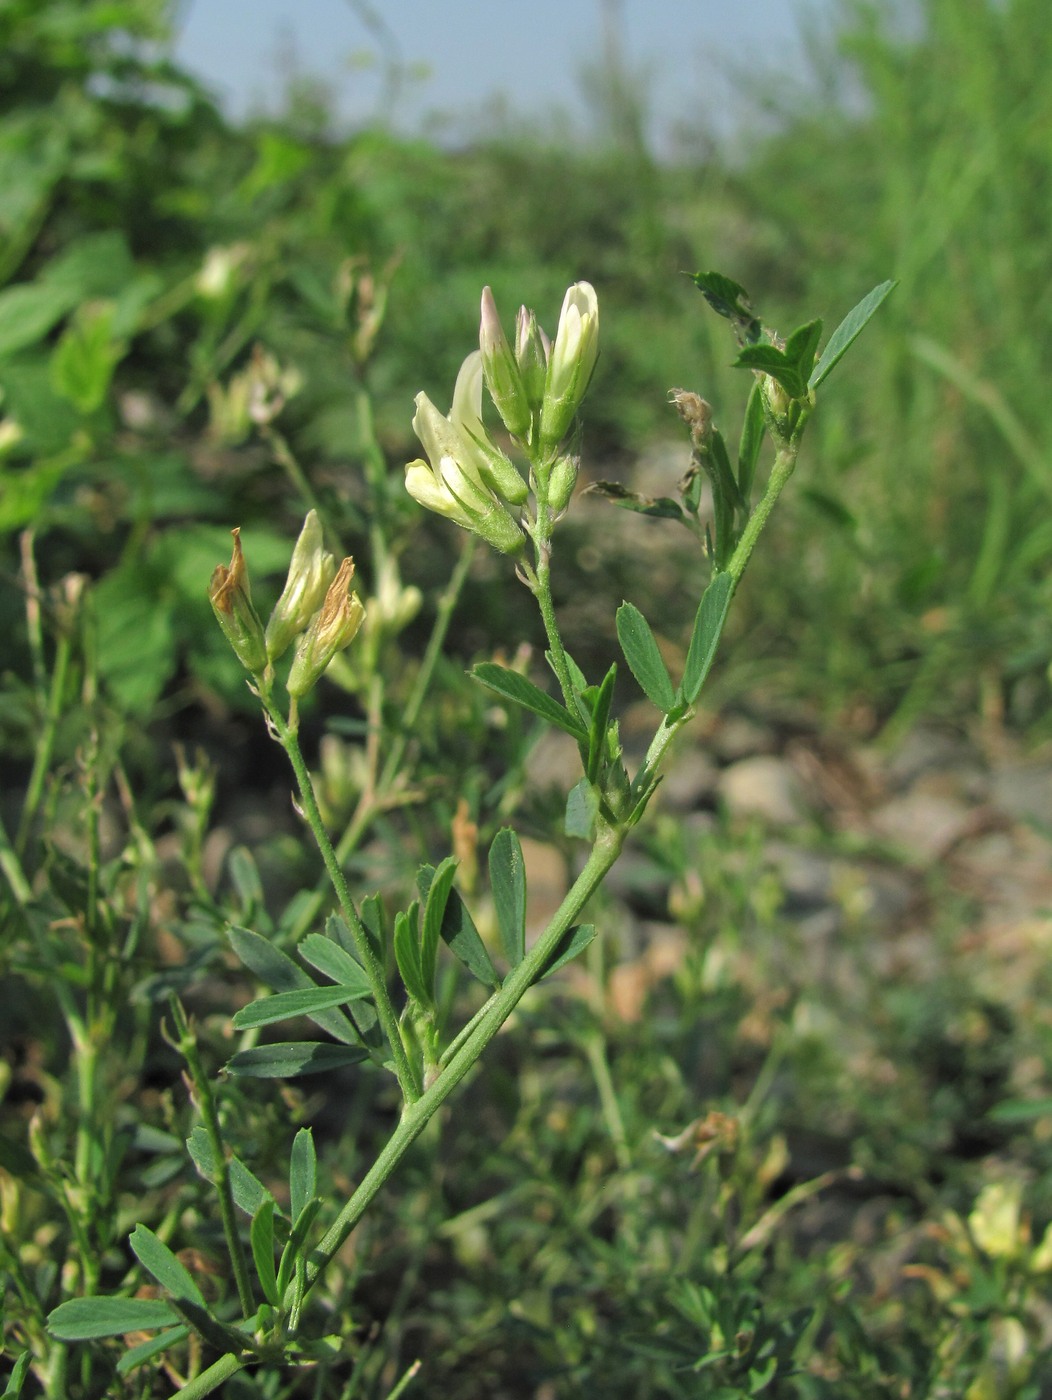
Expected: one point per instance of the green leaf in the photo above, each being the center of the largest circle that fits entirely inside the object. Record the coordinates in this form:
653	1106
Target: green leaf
291	1058
434	913
303	1173
753	429
407	955
847	332
644	659
662	507
597	734
511	686
333	961
145	1351
284	1005
88	351
29	310
791	366
261	1237
582	809
573	941
802	346
730	299
507	877
372	917
82	1319
463	940
17	1378
294	1246
155	1256
277	971
248	1191
708	625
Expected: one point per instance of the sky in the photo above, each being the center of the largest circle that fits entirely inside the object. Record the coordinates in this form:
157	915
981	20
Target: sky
448	66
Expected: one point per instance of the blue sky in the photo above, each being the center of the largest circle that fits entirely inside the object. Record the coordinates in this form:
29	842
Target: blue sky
466	58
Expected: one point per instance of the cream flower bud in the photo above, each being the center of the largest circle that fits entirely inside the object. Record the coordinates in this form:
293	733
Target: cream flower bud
231	600
332	628
310	574
571	362
503	379
532	348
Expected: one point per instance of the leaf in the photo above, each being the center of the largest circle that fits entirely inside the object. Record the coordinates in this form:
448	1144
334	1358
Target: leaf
753	429
644	659
847	332
511	686
372	916
708	625
294	1246
284	1005
17	1378
573	941
434	912
597	746
29	310
248	1191
728	298
261	1237
81	1319
791	366
289	1059
662	507
277	971
328	958
145	1351
462	938
507	878
582	809
155	1256
407	955
303	1173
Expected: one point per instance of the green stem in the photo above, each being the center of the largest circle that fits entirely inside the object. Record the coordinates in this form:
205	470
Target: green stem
187	1046
372	964
497	1010
784	463
46	743
211	1379
367	810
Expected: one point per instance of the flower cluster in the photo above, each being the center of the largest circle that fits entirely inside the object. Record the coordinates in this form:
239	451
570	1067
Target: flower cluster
316	606
537	387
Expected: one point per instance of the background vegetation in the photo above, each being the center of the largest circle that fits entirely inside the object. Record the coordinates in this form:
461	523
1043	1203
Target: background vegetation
545	1244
